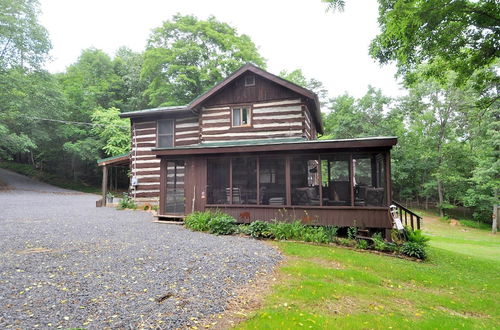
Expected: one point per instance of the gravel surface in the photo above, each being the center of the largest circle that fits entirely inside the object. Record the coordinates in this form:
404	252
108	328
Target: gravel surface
65	263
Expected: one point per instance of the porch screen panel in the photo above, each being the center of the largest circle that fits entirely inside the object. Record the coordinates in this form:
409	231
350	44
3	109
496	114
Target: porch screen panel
305	181
218	181
272	181
369	183
335	180
244	180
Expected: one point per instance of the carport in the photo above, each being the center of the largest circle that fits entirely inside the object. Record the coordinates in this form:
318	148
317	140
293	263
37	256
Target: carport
122	160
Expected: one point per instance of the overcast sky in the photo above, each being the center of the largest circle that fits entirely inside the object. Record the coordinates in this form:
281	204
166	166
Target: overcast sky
290	34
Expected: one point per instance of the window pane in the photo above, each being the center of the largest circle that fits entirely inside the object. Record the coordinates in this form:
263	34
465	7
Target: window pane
244	120
245	180
237	117
165	141
335	180
272	181
218	181
166	127
305	181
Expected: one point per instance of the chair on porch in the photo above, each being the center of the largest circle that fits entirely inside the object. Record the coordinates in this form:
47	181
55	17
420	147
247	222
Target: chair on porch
236	195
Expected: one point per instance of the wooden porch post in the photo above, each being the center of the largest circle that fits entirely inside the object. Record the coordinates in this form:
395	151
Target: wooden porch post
351	179
388	180
104	184
288	185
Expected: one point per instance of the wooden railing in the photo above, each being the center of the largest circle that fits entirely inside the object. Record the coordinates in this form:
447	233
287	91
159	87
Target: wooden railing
408	216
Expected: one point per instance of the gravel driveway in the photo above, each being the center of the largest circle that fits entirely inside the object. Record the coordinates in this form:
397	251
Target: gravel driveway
65	263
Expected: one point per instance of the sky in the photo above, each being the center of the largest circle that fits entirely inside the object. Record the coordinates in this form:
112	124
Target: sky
290	34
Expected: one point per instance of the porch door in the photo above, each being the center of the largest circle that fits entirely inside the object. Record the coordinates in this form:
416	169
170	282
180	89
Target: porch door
174	201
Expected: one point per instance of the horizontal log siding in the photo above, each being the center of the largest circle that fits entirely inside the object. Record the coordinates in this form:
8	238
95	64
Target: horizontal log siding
278	119
187	131
145	166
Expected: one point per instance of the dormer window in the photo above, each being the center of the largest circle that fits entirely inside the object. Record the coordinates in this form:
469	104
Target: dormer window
240	116
250	80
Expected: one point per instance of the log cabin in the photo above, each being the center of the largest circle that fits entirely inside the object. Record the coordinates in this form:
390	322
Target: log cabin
249	147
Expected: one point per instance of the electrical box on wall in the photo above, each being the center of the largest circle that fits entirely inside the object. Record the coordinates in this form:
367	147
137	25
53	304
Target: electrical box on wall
134	181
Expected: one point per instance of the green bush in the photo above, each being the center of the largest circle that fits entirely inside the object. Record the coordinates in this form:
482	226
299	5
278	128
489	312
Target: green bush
198	221
362	244
345	241
126	203
416	236
315	234
286	230
413	249
259	229
221	224
331	231
379	243
352	232
243	229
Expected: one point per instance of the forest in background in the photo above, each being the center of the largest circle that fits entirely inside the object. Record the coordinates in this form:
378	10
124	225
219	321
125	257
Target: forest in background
447	126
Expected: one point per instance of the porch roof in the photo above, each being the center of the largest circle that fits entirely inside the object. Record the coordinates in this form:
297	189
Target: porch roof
119	160
292	144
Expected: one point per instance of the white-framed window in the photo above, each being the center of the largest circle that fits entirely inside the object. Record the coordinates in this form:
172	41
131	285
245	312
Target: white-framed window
165	133
240	116
250	80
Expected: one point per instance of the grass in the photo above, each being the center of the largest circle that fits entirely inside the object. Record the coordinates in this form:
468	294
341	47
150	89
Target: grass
32	172
331	287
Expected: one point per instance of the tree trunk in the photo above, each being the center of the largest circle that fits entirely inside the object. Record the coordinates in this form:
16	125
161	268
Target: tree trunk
440	197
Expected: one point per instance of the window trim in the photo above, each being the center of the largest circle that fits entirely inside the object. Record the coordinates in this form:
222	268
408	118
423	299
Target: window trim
158	132
249	115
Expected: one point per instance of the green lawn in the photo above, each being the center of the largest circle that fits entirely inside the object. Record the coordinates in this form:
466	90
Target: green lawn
331	287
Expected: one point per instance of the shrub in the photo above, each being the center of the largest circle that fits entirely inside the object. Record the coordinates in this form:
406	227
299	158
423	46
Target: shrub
346	242
126	203
362	244
331	232
286	230
221	224
315	234
413	249
243	229
352	232
378	242
198	221
416	236
259	229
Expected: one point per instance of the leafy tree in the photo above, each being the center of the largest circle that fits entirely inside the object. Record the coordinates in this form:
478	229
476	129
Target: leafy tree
128	66
350	117
113	130
23	41
187	56
461	36
297	77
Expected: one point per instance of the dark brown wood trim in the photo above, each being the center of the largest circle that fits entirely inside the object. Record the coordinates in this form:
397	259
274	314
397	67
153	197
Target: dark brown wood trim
258	180
230	181
351	179
316	145
288	184
320	177
163	184
302	207
388	181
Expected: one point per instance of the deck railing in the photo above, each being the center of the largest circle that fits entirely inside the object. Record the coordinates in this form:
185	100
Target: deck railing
408	216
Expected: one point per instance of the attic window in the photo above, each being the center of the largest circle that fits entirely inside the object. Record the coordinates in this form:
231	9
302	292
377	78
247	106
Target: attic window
250	80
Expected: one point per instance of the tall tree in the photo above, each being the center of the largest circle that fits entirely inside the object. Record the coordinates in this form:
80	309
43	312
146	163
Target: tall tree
297	77
186	56
23	41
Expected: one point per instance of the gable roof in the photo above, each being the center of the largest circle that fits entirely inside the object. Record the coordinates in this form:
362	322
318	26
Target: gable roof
316	112
197	102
